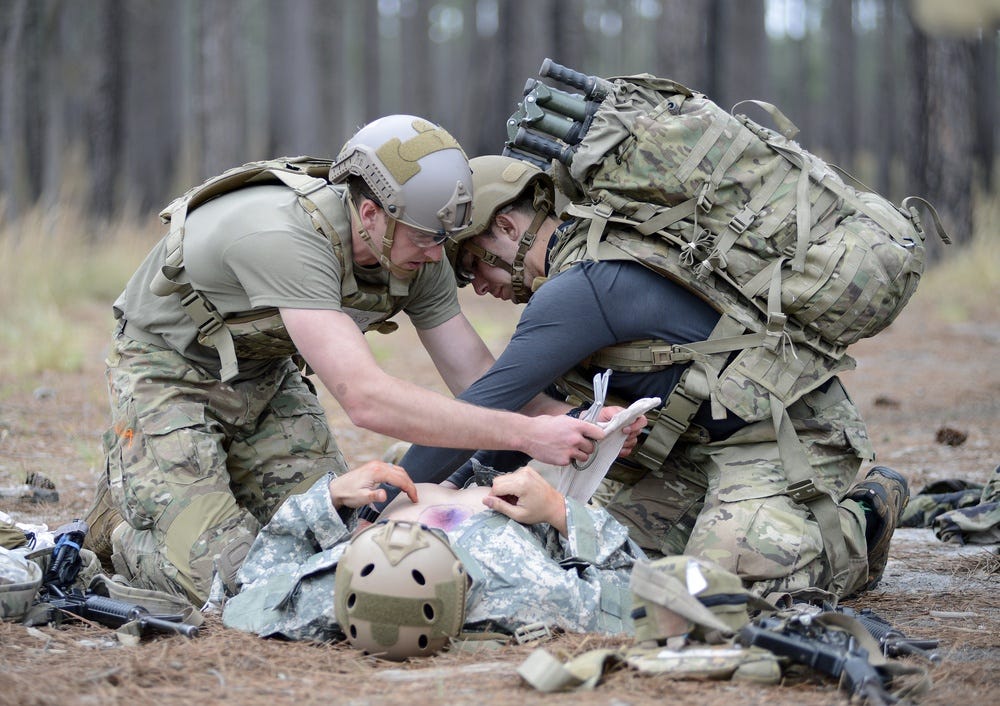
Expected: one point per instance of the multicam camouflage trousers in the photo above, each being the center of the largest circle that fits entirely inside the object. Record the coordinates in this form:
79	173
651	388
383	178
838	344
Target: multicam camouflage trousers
726	500
197	466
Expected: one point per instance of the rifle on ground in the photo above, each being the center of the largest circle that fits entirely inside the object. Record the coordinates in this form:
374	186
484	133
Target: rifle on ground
836	653
57	592
893	642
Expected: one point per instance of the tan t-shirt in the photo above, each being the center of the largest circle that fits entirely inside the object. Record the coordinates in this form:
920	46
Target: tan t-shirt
256	248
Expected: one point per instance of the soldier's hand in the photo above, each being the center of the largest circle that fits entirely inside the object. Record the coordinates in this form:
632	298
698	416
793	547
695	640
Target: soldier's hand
360	486
560	439
631	432
528	498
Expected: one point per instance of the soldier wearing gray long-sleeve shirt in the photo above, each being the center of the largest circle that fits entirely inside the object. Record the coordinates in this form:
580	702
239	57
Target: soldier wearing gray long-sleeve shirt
709	478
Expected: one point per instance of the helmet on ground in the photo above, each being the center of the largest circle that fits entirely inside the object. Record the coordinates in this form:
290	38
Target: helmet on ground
20	579
417	171
682	595
400	591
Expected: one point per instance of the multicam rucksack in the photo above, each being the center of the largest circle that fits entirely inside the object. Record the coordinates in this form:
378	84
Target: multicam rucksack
746	210
799	263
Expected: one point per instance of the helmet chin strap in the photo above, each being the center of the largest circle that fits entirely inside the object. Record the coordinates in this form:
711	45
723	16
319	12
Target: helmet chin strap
383	256
521	291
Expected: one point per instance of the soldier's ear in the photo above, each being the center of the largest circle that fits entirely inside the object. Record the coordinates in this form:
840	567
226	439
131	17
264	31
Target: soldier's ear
503	223
369	212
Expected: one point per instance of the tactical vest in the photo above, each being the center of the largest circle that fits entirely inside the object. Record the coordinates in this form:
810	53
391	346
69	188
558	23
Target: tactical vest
260	334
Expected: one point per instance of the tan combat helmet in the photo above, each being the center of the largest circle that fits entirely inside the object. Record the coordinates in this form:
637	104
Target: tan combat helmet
400	591
418	173
497	182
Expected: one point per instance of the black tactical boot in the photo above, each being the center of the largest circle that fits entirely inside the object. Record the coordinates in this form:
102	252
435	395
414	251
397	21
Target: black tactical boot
884	493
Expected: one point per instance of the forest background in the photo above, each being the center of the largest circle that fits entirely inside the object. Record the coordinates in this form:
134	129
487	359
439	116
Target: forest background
136	100
110	108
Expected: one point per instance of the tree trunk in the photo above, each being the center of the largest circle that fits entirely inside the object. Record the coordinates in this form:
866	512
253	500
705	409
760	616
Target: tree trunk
299	74
417	89
986	108
151	119
886	125
841	98
372	62
682	46
106	108
256	72
741	46
220	98
567	37
13	181
941	164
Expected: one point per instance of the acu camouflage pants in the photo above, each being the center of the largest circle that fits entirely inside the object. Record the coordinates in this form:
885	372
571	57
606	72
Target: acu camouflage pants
726	500
197	466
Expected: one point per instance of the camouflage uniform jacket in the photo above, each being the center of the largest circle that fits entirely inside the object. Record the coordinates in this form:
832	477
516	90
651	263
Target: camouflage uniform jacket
958	511
520	574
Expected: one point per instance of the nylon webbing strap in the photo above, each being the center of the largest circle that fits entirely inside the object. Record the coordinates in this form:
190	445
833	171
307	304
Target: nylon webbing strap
774	331
912	210
677	412
165	280
547	674
212	330
329	216
745	218
785	126
650	354
664	219
632	357
803	208
585	534
701	148
736	148
616	601
803	489
672	420
598	222
667	217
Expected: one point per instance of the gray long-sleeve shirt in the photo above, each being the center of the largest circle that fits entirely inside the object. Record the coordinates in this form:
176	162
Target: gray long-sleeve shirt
588	307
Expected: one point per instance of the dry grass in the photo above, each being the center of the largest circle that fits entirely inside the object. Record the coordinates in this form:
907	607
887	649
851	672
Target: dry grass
968	278
53	262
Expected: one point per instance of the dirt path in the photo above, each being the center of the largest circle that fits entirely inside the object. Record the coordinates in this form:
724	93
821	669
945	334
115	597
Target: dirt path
922	385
